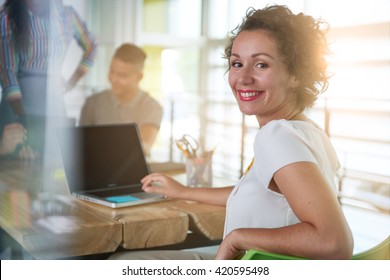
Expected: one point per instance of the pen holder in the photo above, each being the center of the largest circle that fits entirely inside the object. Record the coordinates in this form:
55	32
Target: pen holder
199	172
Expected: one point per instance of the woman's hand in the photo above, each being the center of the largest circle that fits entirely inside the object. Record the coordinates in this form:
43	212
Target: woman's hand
13	135
28	153
228	250
162	184
73	80
170	188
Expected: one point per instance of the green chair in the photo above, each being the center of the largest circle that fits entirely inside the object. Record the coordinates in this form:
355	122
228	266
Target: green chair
379	252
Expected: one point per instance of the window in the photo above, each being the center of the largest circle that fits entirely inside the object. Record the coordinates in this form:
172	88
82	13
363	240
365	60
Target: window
358	100
174	28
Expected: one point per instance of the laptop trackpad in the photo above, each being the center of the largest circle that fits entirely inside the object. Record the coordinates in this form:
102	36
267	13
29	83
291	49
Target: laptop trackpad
122	198
134	197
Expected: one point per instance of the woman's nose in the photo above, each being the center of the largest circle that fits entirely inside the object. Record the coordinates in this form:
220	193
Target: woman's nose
245	76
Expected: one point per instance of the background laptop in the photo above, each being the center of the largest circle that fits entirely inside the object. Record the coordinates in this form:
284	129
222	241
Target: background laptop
104	164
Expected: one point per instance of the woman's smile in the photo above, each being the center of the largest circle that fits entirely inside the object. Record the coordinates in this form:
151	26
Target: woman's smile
249	95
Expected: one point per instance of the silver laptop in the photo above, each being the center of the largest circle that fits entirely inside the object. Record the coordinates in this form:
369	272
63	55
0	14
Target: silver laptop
104	164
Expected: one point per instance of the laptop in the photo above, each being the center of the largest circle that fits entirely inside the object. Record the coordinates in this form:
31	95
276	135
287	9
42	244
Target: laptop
104	164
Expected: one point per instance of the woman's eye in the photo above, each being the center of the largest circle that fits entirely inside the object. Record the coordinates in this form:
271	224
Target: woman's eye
262	65
236	64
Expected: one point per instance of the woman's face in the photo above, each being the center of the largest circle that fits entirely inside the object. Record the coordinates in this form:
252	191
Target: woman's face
38	7
259	78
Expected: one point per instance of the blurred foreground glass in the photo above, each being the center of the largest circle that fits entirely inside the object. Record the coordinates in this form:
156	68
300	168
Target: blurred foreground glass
199	171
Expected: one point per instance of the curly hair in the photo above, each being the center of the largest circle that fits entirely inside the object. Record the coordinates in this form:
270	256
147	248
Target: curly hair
302	44
18	17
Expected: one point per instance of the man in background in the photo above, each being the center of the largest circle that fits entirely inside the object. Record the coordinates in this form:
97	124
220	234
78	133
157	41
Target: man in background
125	102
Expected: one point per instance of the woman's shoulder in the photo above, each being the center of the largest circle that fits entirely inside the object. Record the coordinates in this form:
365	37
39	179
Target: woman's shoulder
3	13
68	9
285	132
291	126
283	141
276	127
4	23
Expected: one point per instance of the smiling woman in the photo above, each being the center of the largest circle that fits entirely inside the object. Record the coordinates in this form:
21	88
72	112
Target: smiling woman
286	203
275	74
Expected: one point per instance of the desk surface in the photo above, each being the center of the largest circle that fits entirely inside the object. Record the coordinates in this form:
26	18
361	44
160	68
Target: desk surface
37	211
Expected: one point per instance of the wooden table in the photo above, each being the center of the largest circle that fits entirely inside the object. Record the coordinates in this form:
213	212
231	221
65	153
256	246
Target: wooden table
50	225
37	211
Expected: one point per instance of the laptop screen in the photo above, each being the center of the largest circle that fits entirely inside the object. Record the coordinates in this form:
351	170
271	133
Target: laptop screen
99	157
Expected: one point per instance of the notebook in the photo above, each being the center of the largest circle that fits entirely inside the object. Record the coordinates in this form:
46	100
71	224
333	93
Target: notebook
104	164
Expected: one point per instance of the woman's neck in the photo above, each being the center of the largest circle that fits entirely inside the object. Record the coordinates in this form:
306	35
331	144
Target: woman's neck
287	114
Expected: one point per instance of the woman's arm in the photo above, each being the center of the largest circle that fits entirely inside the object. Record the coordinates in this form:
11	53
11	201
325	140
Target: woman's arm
162	184
323	232
87	42
9	57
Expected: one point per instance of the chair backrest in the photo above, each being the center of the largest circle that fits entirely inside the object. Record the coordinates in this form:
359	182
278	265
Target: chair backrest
379	252
260	255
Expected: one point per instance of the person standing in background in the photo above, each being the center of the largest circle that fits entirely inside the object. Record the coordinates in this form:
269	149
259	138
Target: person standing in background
35	36
125	102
